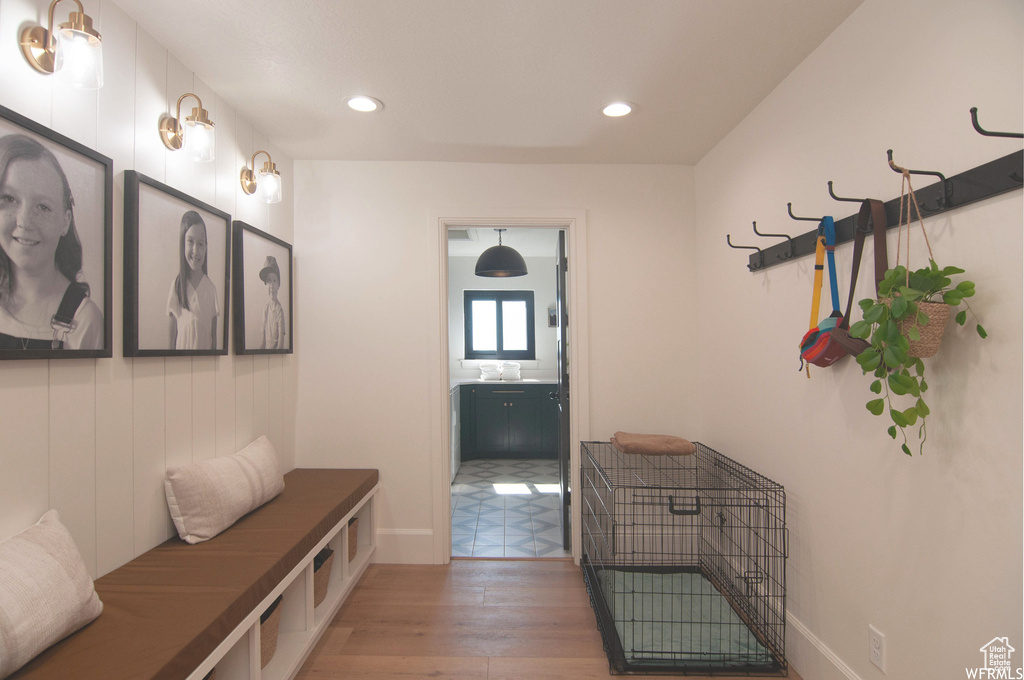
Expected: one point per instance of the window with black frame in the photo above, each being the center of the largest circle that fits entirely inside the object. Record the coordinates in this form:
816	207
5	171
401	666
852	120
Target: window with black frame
499	324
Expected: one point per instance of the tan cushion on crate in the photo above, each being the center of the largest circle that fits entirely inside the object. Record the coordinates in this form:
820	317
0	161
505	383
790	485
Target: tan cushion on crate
207	497
652	444
45	591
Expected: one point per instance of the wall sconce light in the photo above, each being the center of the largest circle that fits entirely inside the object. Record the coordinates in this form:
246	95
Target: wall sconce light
75	49
196	134
269	183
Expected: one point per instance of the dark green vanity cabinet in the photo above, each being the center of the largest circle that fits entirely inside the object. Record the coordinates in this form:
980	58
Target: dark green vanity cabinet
508	420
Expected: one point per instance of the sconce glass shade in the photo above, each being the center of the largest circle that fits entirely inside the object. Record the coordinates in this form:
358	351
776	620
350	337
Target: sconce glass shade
195	135
269	185
200	138
78	55
73	49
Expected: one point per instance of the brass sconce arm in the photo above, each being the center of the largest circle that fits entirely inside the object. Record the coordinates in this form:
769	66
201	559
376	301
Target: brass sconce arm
271	178
248	177
38	43
171	129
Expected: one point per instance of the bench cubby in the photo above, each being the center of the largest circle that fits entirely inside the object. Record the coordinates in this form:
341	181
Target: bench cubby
179	611
302	624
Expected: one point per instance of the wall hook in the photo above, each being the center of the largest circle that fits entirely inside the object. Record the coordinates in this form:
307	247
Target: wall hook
947	187
789	207
851	200
840	198
760	254
783	255
989	133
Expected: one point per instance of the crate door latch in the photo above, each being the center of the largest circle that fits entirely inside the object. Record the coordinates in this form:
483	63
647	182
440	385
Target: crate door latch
689	507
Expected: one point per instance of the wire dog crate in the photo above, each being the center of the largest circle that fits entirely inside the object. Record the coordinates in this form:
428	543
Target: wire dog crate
685	562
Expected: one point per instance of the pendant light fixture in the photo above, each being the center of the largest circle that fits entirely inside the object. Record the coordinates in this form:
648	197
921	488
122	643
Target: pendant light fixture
500	260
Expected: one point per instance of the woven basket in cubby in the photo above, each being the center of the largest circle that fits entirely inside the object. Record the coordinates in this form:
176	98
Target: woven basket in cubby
353	538
322	574
270	620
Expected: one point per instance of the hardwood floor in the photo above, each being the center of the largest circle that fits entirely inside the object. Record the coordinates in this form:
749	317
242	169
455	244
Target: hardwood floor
470	620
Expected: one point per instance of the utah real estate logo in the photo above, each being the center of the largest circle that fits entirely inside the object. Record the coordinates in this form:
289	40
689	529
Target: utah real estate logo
997	662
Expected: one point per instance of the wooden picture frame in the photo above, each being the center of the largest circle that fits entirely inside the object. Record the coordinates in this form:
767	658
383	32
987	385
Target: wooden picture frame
263	315
163	242
56	199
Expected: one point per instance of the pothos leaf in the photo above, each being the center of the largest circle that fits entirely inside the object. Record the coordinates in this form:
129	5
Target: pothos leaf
875	313
876	387
899	307
896	385
876	406
898	417
860	329
982	332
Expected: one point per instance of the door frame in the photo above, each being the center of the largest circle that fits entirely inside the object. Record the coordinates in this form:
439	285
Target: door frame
574	223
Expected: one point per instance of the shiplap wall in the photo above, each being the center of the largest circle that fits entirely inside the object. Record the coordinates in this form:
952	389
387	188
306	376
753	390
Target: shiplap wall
92	438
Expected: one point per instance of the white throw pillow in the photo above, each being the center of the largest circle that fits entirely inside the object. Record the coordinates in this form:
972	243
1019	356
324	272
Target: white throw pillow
45	591
206	498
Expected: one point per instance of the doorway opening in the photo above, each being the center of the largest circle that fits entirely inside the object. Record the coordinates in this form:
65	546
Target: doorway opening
509	416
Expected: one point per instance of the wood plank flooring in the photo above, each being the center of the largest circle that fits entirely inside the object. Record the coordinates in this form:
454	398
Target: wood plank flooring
469	620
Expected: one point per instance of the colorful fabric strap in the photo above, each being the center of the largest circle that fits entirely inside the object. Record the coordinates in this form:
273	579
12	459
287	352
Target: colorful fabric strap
826	243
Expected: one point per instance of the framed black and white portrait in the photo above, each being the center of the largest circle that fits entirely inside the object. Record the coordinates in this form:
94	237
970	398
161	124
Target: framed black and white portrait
176	271
263	292
56	227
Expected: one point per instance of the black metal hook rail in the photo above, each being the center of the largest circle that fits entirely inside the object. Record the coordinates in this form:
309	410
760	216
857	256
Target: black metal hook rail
984	181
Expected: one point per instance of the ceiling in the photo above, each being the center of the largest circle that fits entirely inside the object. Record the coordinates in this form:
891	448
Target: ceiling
500	81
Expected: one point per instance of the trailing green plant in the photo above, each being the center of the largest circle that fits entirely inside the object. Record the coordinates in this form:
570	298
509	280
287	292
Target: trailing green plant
892	322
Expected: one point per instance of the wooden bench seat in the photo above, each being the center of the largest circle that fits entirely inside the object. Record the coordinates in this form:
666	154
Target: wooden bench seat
167	610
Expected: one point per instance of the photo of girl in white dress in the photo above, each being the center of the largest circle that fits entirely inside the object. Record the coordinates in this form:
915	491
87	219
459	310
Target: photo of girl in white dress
192	304
176	271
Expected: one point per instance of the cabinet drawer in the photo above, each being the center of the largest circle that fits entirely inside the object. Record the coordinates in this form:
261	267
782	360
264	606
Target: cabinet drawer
514	390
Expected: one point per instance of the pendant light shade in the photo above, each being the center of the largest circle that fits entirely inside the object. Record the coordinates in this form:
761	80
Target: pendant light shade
499	260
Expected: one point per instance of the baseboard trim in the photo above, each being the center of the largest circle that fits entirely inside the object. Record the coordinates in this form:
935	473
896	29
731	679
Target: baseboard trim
405	546
826	665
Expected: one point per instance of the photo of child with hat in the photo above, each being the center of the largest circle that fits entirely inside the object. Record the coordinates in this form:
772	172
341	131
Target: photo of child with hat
273	314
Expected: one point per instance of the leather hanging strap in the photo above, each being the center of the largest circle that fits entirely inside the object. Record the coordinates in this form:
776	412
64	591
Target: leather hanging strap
870	218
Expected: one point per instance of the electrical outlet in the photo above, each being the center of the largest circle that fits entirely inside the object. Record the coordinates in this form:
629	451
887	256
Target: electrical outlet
876	647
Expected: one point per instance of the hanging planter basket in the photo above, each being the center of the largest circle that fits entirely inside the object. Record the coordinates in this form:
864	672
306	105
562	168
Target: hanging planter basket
931	333
904	325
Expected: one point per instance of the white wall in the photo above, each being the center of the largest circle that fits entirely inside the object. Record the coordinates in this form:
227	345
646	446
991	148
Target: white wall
540	278
92	438
368	310
928	549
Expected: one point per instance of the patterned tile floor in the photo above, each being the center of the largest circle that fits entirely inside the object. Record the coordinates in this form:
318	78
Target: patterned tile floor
523	523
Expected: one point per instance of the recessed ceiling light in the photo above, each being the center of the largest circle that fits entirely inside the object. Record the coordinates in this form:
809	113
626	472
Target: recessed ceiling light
364	104
616	109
